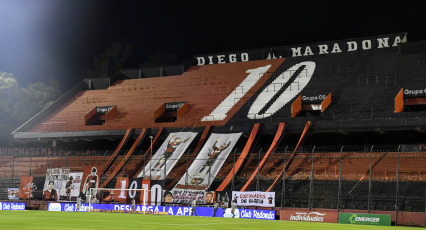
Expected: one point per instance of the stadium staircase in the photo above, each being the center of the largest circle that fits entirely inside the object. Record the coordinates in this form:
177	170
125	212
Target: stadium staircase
4	194
289	162
367	173
146	157
272	147
240	160
119	149
119	167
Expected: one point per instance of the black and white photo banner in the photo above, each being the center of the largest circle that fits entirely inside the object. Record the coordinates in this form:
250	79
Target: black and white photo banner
208	162
167	155
254	198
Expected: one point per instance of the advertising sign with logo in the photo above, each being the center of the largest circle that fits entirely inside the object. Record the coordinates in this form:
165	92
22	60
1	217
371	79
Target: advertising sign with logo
255	198
364	219
12	206
102	110
56	207
165	210
173	106
310	216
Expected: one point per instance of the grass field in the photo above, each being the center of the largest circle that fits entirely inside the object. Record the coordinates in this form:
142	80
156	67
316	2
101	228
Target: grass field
79	220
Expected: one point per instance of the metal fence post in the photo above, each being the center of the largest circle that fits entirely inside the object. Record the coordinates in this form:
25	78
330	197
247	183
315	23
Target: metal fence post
339	191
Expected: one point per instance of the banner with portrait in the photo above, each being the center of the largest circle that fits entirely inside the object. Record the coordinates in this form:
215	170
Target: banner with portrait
254	198
57	175
166	157
65	183
90	180
12	193
70	188
208	162
183	196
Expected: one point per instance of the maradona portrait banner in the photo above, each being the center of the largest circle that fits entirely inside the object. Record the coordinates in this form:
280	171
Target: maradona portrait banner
167	155
205	167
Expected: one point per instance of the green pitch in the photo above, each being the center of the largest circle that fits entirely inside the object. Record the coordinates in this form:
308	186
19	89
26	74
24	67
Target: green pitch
73	220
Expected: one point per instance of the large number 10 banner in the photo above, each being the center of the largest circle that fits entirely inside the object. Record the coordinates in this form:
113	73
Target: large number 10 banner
149	195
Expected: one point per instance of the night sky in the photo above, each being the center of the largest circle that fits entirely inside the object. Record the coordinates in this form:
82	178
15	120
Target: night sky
56	39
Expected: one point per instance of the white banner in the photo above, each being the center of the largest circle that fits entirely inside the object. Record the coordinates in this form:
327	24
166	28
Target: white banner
209	160
187	196
71	187
255	198
167	155
57	175
67	184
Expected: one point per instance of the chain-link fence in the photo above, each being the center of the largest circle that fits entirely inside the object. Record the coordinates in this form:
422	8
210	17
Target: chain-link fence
356	177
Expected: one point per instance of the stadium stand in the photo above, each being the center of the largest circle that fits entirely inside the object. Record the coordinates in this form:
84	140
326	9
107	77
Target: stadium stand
335	125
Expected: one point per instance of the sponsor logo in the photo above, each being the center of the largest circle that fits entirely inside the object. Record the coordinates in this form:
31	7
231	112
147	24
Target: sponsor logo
414	91
257	214
174	106
165	210
311	216
365	219
246	214
12	206
69	208
17	206
228	213
54	207
354	219
103	109
314	98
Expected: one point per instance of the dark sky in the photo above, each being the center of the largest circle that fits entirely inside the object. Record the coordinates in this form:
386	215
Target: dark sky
45	39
